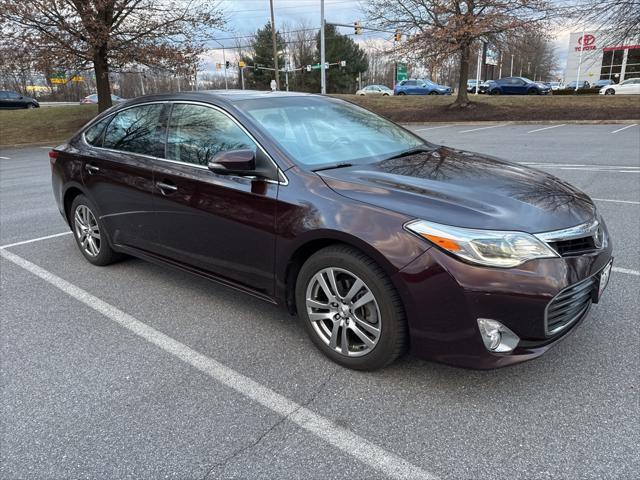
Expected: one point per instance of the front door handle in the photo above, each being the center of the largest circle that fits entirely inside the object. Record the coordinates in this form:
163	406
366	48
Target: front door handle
166	188
91	168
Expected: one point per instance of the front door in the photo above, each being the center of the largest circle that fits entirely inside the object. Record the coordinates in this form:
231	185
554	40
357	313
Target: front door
221	224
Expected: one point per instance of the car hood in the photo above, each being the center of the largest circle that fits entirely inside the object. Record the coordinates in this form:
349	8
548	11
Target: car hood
465	189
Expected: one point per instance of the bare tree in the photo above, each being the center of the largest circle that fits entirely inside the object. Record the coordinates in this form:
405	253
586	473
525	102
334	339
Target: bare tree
108	34
618	20
442	28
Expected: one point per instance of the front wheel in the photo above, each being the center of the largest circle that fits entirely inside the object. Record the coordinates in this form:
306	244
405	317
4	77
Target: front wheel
30	106
351	309
609	91
401	93
433	92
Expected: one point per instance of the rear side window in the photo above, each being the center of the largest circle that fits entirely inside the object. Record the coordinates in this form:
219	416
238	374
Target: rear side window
196	133
93	134
137	130
411	83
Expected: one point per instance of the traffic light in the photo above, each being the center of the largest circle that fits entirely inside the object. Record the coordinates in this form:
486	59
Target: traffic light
227	64
357	28
398	36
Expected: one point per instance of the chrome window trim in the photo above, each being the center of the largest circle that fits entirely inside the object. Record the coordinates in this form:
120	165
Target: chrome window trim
279	171
579	231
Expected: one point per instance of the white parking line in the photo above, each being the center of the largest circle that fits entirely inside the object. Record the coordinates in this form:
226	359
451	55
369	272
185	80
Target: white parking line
624	128
433	128
546	128
24	242
626	270
632	202
484	128
350	443
48	148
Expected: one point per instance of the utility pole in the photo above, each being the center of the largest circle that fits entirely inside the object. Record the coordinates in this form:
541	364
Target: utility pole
275	47
323	78
511	74
581	41
478	71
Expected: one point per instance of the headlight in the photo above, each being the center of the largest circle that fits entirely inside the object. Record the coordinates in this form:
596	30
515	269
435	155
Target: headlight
485	247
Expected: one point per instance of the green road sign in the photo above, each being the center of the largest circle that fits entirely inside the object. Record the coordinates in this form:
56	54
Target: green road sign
401	71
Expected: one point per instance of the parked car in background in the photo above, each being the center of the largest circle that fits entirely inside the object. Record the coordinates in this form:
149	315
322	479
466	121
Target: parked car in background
380	240
94	99
375	91
518	86
471	84
583	84
420	87
485	86
627	87
602	83
9	99
556	86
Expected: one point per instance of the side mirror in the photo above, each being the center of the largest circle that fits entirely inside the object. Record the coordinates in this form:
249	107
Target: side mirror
233	162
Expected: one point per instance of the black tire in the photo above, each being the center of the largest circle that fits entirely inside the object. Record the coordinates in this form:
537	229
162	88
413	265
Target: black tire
106	255
534	91
609	91
393	337
30	106
433	92
401	93
494	92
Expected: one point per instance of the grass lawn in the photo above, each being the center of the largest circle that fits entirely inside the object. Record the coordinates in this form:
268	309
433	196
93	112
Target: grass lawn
44	124
503	108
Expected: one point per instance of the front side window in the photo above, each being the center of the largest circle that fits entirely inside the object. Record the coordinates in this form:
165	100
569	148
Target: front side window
196	133
318	132
137	130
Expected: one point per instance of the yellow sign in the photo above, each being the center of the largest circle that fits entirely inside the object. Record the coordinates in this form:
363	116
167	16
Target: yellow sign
58	80
241	64
77	78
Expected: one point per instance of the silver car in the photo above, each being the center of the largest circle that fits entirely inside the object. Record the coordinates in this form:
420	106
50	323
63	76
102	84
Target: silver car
375	90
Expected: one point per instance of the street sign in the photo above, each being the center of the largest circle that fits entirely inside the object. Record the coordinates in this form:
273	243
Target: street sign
401	71
77	78
242	64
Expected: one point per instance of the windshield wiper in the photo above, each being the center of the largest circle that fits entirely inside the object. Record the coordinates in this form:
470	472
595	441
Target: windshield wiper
411	151
331	167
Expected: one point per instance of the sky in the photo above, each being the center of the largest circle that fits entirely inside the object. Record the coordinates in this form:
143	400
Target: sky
244	17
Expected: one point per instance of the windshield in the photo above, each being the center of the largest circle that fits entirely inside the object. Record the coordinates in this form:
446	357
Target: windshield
319	132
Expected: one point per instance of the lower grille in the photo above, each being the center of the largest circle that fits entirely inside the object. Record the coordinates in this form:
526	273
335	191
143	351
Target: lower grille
569	305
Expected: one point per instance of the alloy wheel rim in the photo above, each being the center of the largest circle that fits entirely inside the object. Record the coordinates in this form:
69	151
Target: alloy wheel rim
87	230
343	311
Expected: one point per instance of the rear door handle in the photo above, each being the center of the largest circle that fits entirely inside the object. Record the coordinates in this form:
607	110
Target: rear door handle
91	168
166	188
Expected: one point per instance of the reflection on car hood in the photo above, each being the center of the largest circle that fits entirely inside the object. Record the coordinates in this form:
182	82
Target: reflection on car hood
465	189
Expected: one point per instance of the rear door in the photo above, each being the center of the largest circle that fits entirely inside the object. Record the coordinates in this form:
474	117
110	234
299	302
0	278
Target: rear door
221	224
118	172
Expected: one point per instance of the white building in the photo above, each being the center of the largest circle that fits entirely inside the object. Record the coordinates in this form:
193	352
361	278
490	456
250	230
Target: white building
601	61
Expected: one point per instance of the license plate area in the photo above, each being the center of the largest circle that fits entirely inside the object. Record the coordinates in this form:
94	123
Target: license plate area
602	281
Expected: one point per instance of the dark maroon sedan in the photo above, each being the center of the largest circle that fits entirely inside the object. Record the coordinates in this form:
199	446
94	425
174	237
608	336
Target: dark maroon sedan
380	241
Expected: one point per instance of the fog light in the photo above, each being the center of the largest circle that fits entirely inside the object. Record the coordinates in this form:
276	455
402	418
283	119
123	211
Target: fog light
496	337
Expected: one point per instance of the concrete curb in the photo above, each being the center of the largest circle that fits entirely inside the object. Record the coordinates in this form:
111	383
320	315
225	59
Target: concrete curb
530	122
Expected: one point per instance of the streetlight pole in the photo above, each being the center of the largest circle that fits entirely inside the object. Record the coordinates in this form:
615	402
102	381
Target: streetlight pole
275	47
511	74
323	79
580	60
224	62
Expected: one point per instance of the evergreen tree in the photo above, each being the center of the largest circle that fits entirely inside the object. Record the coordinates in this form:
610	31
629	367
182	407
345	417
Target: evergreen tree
340	47
262	55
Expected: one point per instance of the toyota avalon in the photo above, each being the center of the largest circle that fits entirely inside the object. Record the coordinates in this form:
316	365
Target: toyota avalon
379	241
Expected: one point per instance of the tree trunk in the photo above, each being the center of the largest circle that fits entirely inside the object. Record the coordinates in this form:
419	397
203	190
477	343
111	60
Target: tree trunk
101	68
462	99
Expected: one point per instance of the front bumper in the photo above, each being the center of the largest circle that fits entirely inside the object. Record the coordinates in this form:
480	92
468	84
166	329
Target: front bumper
444	297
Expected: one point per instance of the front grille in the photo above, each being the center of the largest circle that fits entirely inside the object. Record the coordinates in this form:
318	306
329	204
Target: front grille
569	305
574	246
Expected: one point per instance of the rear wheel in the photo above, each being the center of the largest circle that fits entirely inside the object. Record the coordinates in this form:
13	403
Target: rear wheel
494	92
89	233
351	309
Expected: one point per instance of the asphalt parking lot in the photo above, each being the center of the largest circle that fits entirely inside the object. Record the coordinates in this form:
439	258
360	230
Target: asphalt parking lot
138	371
